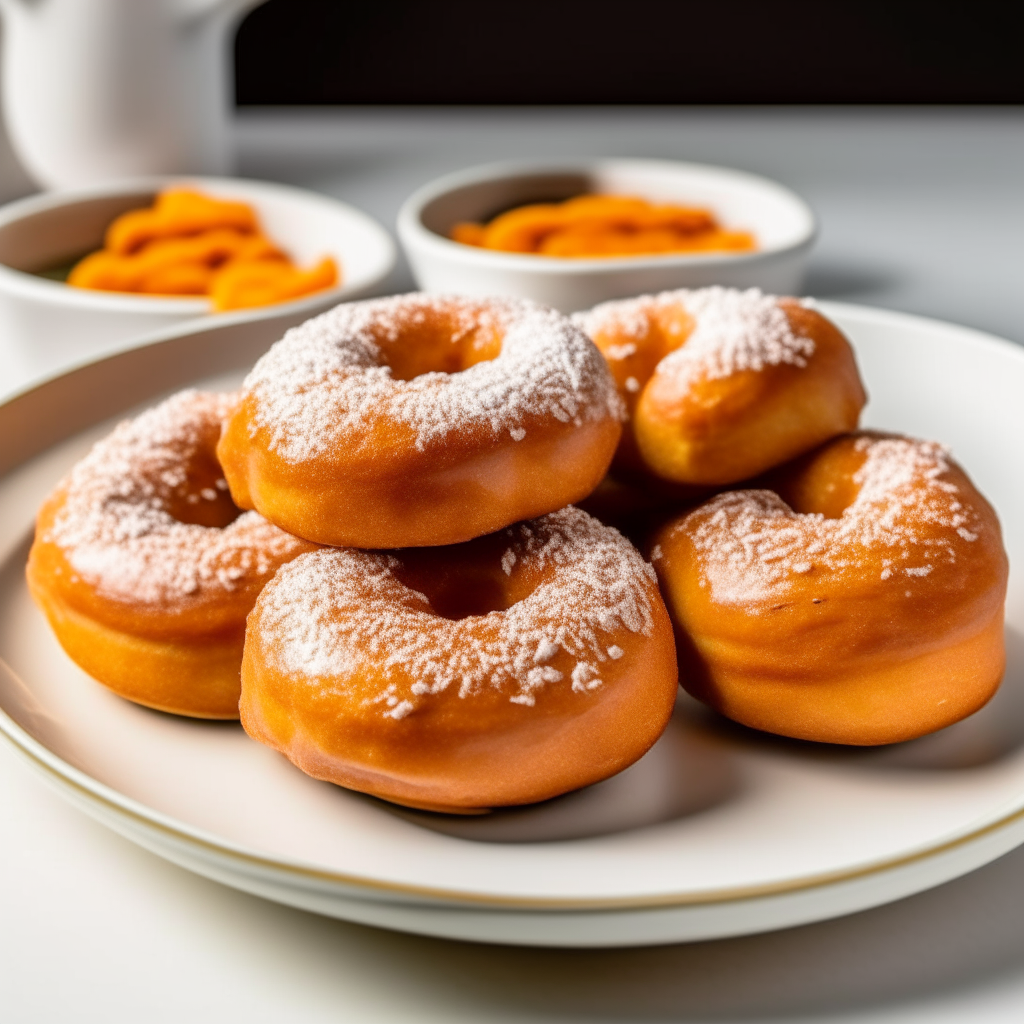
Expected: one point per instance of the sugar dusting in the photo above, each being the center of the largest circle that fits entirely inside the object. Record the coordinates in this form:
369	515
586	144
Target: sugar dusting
323	384
115	528
329	615
733	331
751	545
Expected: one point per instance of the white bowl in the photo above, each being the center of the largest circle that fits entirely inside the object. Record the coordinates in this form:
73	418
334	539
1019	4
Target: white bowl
53	320
781	221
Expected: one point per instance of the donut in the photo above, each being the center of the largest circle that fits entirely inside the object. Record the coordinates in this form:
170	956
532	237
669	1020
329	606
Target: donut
421	420
501	671
721	384
858	601
147	571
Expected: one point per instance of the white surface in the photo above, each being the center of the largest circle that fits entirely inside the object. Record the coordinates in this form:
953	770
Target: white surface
98	931
715	832
780	221
47	322
921	210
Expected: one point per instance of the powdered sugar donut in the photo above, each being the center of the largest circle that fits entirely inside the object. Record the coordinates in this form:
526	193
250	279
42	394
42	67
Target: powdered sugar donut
419	420
145	568
723	384
858	601
501	671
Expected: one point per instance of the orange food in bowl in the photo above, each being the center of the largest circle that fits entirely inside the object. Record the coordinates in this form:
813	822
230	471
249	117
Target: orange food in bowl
188	243
589	226
262	283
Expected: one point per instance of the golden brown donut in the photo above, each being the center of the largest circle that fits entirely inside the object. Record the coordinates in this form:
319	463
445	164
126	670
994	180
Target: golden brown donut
421	420
501	671
147	571
860	601
722	384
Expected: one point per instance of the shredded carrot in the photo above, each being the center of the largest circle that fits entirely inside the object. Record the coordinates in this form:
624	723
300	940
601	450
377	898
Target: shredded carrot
191	244
241	285
603	226
178	212
469	234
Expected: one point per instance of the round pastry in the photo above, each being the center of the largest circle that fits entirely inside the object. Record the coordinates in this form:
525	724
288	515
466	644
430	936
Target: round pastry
145	568
421	420
859	601
721	384
505	670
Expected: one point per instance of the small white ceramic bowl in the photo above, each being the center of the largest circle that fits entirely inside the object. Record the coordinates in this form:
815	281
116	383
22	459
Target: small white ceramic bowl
781	221
51	319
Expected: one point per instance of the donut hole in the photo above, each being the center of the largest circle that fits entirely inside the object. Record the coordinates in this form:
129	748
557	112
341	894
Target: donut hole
671	326
664	330
822	482
469	581
203	498
439	342
467	596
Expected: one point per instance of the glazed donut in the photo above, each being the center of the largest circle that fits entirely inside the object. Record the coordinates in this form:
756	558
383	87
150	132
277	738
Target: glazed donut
505	670
720	384
144	571
859	601
421	420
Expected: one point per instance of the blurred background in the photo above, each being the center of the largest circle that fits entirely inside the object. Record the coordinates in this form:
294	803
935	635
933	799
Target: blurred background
898	123
643	51
320	53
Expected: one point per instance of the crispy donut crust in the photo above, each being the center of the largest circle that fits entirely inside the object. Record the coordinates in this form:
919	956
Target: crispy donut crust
748	395
144	568
859	601
421	420
502	671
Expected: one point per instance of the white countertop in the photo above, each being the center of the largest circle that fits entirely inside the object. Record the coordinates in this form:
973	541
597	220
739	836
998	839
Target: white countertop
921	211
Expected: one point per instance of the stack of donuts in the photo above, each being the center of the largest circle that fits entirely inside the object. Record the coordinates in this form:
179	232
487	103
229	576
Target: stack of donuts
375	554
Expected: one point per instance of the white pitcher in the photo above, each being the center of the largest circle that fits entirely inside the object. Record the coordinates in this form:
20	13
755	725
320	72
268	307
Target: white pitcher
99	89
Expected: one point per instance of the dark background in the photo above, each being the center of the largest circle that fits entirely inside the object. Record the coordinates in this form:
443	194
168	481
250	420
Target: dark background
633	51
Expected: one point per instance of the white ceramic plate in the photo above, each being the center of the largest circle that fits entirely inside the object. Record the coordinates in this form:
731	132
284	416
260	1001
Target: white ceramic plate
718	831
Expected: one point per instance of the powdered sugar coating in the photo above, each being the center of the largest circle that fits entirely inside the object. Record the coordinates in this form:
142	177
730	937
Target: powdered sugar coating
331	615
733	331
906	517
115	529
324	382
